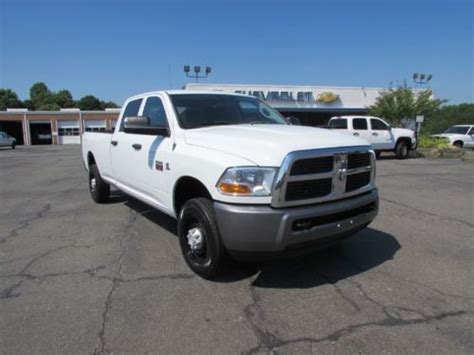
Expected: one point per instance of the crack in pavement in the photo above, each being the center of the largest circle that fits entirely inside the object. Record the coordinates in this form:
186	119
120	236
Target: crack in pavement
453	219
14	232
417	283
270	342
393	316
100	349
8	292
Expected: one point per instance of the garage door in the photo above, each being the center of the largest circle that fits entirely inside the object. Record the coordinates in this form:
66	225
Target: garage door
95	125
68	132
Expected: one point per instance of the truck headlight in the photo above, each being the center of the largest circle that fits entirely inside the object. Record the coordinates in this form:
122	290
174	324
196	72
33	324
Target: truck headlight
247	181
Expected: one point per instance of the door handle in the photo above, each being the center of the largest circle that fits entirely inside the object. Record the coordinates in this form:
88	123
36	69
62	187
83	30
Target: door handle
114	143
375	134
356	134
137	146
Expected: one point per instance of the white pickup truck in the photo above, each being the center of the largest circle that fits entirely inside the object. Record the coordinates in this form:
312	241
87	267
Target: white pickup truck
238	178
378	133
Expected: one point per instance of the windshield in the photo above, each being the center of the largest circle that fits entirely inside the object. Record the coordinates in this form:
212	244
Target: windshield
202	110
457	130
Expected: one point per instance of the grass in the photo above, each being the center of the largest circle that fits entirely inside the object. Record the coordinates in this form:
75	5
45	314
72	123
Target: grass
431	142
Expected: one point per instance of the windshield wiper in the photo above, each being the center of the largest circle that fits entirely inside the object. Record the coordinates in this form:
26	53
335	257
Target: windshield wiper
259	122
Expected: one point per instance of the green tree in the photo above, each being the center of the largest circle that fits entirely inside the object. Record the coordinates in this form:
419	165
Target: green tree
89	102
108	104
448	116
9	99
63	99
40	95
398	105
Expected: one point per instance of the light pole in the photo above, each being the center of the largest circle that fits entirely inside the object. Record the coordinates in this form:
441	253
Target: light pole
197	70
422	79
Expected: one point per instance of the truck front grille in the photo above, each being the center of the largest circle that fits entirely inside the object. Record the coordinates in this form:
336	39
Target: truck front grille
356	181
312	166
323	175
303	190
355	161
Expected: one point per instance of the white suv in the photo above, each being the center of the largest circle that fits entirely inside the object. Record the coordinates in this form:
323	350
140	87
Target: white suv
461	136
378	133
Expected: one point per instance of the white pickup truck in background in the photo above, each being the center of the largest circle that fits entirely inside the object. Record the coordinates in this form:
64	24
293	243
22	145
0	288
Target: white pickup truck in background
378	133
237	177
461	136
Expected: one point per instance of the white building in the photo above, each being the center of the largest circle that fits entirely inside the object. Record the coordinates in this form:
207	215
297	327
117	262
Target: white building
313	105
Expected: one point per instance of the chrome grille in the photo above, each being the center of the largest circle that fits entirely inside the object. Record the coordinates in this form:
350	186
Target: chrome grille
316	176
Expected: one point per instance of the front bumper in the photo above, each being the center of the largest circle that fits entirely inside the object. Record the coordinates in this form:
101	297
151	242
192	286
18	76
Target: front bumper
248	229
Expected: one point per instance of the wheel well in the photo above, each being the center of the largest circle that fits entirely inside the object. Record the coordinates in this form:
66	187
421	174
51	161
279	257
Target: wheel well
187	188
90	159
404	139
461	143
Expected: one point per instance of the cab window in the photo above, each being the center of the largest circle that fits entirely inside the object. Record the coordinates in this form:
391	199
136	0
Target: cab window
155	111
131	110
338	123
378	125
359	124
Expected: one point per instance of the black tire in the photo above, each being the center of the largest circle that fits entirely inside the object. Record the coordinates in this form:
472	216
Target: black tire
99	189
458	144
378	154
207	256
13	145
402	150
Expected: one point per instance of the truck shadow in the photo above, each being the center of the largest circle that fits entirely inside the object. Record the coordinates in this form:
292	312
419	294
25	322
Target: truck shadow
364	251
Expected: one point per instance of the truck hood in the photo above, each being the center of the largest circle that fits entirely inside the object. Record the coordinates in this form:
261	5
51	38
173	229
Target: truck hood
266	144
403	132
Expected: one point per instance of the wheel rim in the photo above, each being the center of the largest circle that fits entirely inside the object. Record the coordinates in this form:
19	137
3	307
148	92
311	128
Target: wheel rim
196	243
93	185
404	150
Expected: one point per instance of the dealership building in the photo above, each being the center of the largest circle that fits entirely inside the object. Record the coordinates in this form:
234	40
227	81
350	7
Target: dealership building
313	105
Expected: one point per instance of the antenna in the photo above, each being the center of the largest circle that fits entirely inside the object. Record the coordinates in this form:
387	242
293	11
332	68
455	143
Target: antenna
169	75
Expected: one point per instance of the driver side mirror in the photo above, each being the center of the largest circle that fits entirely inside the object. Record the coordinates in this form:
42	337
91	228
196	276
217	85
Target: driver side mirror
292	120
142	125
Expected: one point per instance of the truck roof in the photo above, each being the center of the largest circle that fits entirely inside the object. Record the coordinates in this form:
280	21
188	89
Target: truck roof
186	92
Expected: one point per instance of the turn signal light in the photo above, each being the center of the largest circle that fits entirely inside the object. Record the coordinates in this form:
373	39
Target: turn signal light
234	188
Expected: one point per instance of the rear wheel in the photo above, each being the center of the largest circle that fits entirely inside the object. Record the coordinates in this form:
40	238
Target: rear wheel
98	188
401	150
13	145
199	238
377	154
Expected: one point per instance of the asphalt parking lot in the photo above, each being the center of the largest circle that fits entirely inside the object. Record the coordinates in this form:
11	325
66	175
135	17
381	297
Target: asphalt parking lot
76	277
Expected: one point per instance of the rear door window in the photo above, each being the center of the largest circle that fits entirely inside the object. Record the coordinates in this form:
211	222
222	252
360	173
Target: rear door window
359	124
338	123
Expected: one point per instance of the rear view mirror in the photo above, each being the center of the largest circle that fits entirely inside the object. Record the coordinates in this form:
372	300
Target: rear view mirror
142	125
292	120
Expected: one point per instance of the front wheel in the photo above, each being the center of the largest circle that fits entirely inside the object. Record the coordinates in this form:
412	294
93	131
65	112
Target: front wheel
199	238
13	145
401	150
458	144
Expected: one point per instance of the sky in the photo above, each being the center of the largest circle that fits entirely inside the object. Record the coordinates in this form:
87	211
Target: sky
115	49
